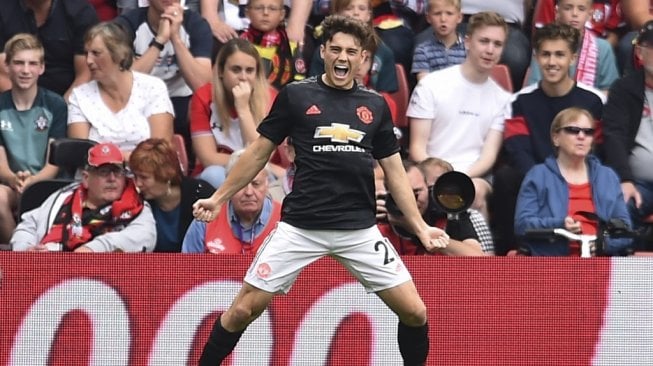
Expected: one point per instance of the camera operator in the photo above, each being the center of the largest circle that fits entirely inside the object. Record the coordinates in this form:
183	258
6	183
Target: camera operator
433	168
463	239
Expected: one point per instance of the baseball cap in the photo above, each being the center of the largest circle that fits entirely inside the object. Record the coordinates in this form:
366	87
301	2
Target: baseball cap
645	34
104	153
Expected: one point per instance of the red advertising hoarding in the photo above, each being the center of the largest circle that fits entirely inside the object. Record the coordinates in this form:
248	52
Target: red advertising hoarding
156	309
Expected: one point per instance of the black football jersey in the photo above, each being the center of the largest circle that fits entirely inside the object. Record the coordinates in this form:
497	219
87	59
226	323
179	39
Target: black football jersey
336	134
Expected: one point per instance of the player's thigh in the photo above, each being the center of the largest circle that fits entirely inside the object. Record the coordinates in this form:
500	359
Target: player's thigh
404	301
371	258
283	255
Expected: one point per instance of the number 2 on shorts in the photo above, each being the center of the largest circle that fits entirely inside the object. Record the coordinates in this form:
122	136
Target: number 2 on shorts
387	256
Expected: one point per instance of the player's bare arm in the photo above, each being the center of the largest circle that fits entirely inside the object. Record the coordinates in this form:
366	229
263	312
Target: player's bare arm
399	187
250	163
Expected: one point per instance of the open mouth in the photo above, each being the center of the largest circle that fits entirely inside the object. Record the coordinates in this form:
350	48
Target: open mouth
341	70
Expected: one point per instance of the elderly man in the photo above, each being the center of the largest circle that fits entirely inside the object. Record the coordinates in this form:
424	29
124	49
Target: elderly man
103	213
249	217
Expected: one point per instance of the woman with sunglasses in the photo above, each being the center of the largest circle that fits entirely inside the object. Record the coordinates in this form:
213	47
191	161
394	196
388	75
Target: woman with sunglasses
554	194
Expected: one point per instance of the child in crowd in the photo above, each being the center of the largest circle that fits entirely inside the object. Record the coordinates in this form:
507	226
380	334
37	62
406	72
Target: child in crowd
267	32
30	117
382	76
446	47
596	65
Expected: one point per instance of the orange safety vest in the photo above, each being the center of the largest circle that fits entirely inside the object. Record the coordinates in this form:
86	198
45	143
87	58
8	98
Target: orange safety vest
220	239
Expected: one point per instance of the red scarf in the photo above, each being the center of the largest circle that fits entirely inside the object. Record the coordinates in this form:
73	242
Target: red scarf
74	225
281	68
587	60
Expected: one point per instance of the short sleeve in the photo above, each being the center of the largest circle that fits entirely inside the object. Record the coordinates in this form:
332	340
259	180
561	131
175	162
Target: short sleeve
156	92
200	111
276	126
75	113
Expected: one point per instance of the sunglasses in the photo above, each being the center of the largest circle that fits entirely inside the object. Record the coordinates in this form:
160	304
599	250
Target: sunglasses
573	130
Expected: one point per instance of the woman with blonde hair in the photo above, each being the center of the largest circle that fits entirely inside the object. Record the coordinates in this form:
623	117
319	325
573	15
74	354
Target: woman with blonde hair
224	114
120	106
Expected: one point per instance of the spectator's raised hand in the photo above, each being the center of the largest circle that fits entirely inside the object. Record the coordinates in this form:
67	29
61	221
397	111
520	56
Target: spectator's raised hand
175	15
241	93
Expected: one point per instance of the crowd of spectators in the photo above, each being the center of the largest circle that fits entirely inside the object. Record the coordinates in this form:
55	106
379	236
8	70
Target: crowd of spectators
130	75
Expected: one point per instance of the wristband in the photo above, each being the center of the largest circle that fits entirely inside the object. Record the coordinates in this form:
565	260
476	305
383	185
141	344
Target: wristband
156	44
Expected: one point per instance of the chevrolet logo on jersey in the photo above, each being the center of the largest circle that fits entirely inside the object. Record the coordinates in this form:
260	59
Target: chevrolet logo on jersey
339	132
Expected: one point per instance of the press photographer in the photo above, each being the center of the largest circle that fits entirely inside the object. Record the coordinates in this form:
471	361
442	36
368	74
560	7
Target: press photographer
455	221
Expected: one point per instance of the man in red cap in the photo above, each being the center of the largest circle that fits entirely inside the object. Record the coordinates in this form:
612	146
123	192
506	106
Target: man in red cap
102	213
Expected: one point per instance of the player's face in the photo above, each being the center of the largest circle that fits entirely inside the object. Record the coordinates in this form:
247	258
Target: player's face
443	17
571	141
358	9
574	13
25	68
238	67
342	55
98	59
555	57
418	184
248	202
484	47
265	15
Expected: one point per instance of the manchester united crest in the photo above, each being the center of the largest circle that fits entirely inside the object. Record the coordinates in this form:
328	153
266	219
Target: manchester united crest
365	115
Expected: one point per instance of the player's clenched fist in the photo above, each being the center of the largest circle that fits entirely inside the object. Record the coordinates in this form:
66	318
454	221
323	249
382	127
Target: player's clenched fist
205	209
433	238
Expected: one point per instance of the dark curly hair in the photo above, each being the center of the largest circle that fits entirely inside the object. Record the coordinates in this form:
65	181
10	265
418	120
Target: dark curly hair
341	24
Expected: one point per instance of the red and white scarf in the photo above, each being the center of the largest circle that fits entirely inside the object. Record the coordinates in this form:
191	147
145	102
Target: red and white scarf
587	60
74	226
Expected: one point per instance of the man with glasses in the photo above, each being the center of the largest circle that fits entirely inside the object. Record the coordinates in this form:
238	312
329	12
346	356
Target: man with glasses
102	213
527	131
628	131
